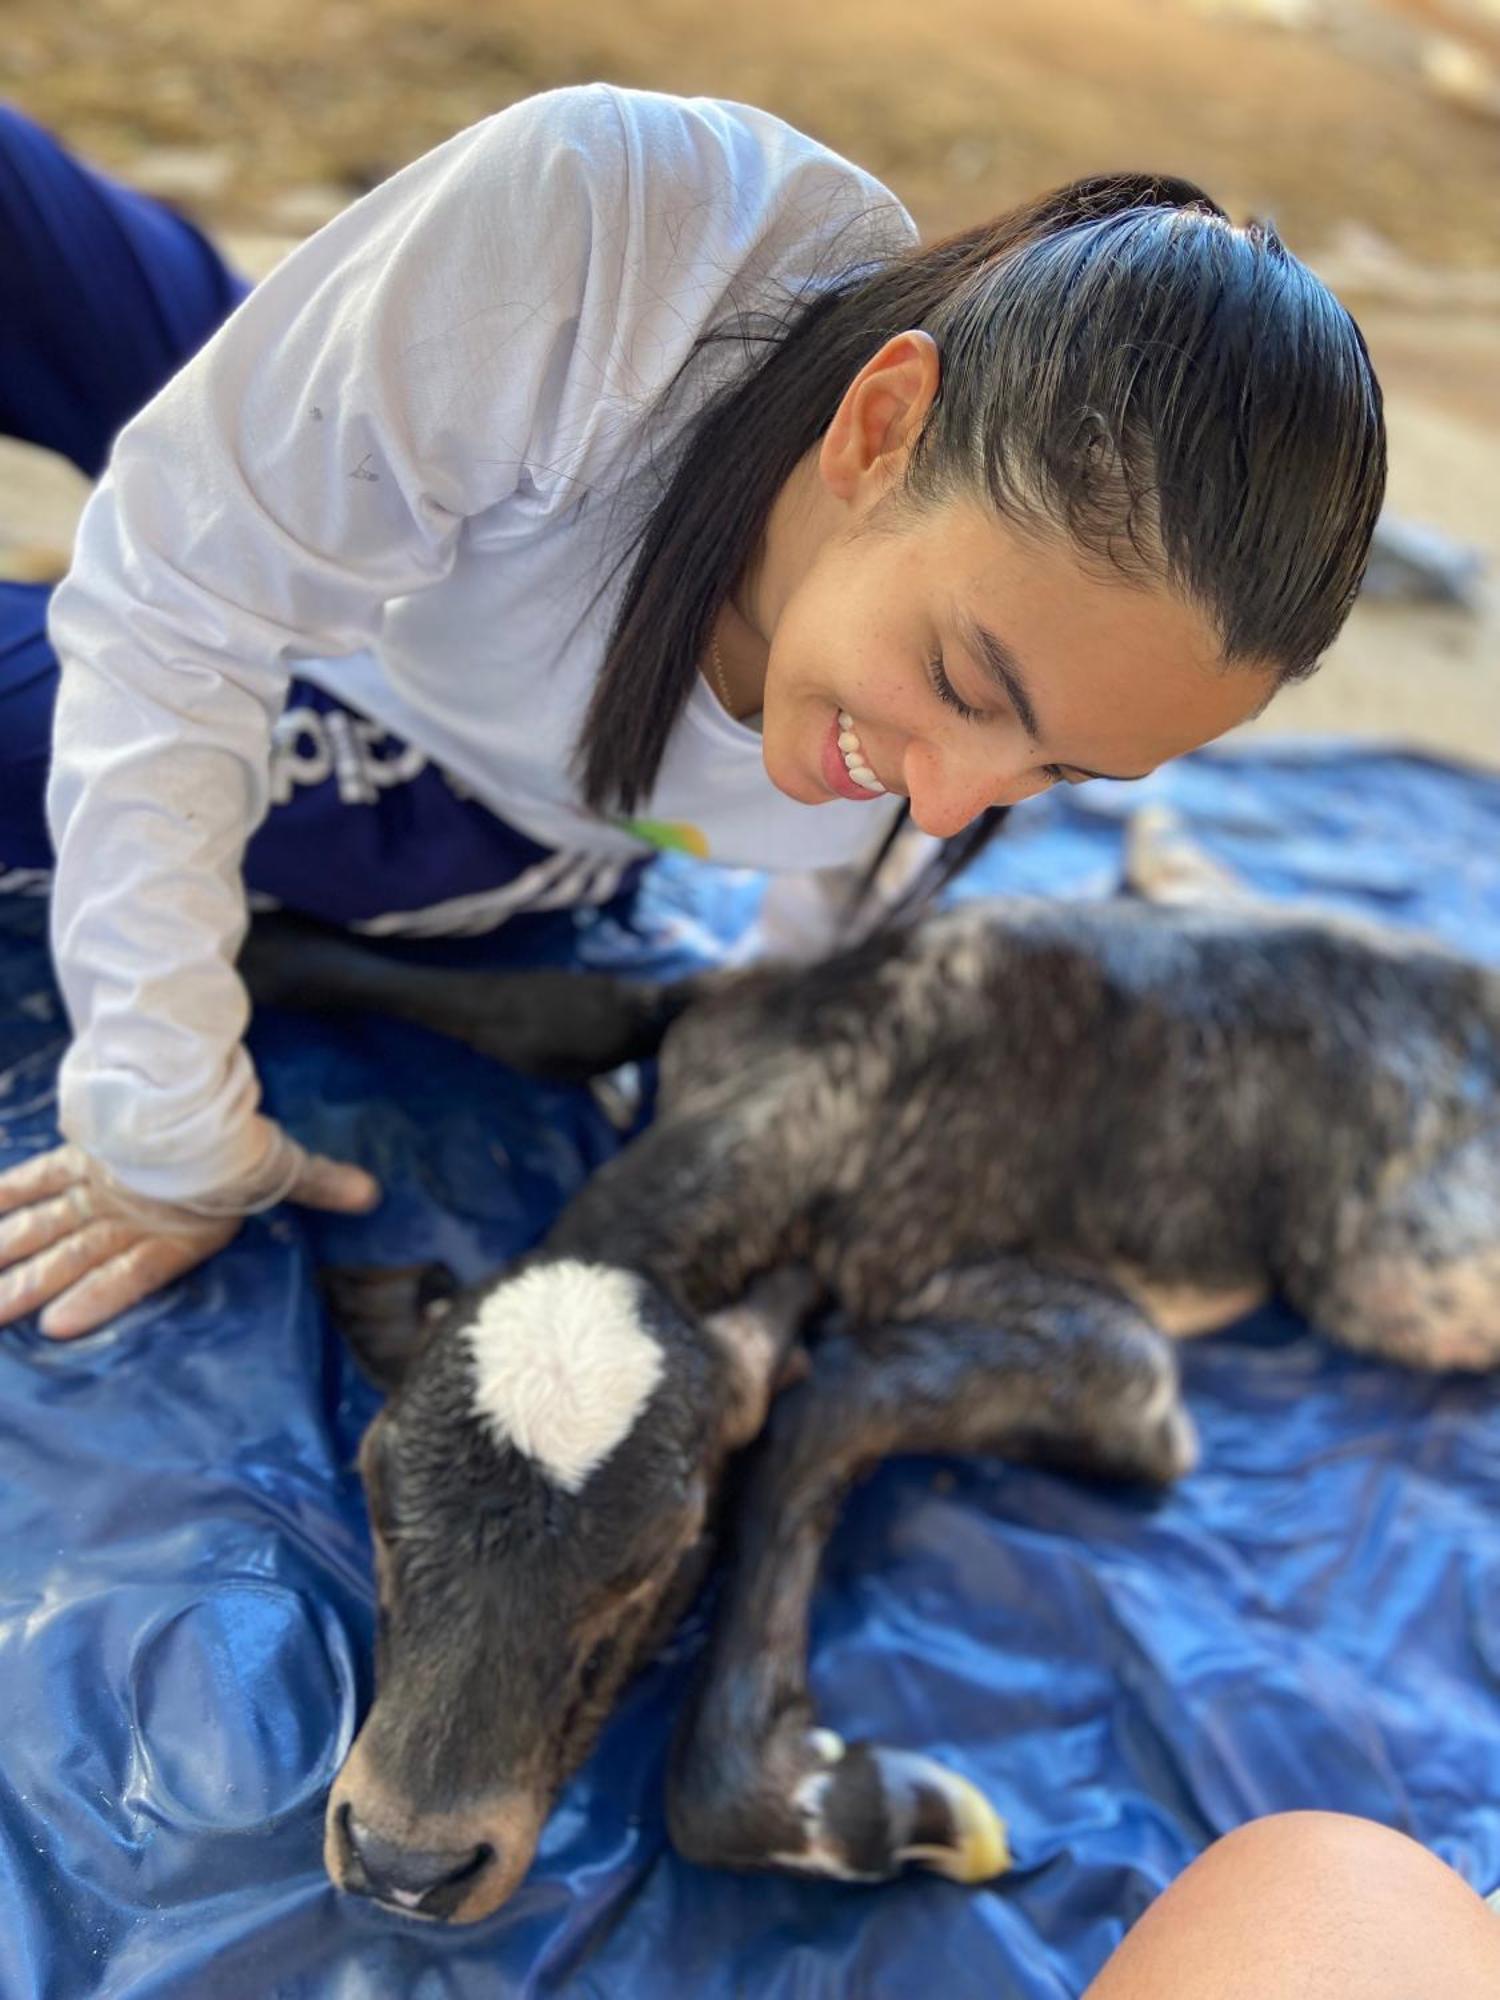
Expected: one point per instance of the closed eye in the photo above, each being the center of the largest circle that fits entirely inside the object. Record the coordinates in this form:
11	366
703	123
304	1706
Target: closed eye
948	694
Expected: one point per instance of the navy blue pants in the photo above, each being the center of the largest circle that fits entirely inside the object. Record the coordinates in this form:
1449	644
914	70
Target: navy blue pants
104	294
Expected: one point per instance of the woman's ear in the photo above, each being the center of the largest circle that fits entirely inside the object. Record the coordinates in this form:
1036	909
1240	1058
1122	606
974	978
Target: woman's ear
883	409
387	1315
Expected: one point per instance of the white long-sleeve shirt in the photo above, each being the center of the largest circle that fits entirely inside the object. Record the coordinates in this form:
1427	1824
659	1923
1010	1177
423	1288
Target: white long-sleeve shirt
394	466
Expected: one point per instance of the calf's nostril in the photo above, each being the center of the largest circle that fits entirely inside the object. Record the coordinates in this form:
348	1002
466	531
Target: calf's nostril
410	1877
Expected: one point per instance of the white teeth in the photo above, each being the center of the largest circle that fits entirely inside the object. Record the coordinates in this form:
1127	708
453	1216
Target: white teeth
854	755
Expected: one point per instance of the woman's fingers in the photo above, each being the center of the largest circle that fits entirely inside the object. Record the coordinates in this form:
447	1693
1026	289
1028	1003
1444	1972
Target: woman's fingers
76	1242
47	1174
38	1228
53	1270
325	1183
124	1280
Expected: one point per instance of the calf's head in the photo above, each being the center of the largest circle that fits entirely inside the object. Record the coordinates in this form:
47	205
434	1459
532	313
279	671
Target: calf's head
539	1488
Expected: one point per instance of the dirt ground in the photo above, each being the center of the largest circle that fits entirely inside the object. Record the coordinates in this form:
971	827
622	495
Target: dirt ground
1368	129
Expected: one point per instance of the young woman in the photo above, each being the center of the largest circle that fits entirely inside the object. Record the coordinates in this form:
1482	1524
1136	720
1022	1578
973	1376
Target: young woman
622	474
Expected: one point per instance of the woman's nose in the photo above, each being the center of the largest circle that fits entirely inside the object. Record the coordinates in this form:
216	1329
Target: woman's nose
946	793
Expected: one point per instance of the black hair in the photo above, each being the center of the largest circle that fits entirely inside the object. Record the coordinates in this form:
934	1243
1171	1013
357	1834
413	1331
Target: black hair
1178	396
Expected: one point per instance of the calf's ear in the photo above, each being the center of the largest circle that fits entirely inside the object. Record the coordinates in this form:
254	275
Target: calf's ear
387	1314
758	1338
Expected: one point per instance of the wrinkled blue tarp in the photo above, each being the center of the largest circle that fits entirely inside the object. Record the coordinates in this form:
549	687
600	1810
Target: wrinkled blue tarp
1312	1619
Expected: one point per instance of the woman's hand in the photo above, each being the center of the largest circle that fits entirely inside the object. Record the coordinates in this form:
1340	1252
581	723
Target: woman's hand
74	1240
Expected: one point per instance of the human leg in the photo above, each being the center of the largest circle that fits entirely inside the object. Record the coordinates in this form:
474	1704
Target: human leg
104	294
1310	1906
28	687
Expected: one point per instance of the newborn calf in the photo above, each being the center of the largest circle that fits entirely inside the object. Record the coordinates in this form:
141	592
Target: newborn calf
989	1164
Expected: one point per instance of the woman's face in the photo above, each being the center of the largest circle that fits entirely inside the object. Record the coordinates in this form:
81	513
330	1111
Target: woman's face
977	668
976	665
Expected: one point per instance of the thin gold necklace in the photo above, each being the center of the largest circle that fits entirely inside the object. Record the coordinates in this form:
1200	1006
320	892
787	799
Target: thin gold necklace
718	665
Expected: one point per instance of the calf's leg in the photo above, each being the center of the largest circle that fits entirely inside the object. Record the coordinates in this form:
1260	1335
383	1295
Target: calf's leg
1417	1278
999	1358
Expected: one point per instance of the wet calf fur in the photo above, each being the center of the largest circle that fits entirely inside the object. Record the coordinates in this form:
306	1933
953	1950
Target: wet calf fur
980	1165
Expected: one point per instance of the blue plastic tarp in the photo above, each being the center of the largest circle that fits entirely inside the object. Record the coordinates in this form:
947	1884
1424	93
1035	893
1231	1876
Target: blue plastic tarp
1312	1619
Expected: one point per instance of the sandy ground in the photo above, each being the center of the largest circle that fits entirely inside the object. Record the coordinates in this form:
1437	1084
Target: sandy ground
1370	132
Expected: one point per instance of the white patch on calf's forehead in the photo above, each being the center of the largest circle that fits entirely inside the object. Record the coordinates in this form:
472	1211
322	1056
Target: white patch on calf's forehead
563	1365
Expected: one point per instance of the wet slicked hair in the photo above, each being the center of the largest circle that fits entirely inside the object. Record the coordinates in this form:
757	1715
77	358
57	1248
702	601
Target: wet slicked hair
1179	398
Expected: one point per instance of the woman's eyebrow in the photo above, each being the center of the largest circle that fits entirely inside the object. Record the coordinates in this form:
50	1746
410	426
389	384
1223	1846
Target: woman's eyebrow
1001	664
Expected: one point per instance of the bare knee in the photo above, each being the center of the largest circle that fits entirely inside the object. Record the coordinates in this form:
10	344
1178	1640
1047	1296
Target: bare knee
1316	1904
1328	1854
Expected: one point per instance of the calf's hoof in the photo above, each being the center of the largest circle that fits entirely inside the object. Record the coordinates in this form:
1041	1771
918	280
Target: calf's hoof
852	1813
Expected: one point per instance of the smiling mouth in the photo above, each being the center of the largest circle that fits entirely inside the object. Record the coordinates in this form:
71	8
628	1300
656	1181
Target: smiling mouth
853	753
